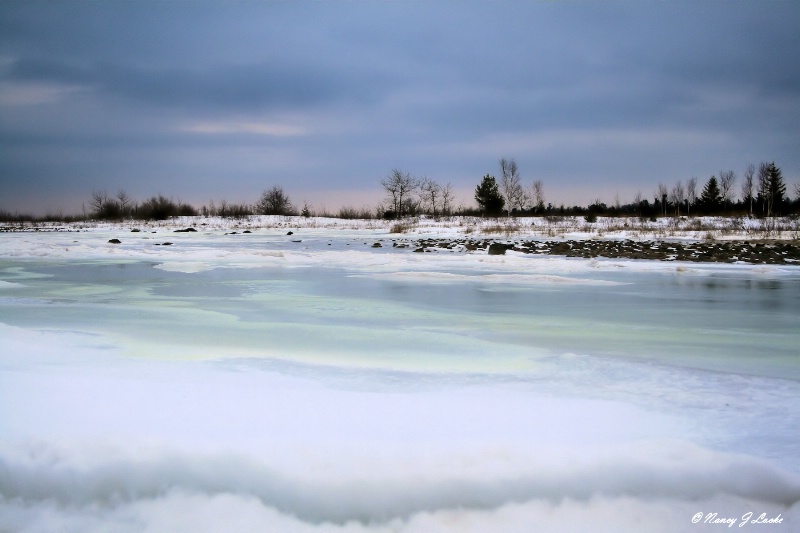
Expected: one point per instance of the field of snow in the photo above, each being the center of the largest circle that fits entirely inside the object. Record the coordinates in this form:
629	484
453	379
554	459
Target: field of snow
262	381
567	227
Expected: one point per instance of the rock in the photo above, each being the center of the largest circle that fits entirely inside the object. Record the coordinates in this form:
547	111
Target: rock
115	241
377	245
166	244
247	231
187	230
289	233
135	230
497	248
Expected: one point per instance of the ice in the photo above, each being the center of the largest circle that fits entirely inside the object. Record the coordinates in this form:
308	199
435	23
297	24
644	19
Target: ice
251	383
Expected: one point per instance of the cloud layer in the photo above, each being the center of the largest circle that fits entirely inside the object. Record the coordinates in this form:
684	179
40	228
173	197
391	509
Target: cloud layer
97	95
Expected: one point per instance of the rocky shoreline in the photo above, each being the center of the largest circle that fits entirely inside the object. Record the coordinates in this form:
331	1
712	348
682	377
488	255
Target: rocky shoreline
768	252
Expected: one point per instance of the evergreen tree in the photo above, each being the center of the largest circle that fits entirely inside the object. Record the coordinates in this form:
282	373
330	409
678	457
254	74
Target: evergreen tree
776	189
711	198
488	196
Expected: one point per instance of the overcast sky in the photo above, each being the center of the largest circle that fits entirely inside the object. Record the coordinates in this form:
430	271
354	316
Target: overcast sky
220	100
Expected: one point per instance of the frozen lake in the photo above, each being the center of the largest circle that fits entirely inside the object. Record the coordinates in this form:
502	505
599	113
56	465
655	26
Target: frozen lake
329	385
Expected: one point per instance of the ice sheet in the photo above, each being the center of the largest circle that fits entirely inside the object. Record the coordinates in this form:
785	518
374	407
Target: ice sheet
252	383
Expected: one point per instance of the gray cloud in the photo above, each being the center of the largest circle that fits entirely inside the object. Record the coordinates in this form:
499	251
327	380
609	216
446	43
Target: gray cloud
237	87
337	94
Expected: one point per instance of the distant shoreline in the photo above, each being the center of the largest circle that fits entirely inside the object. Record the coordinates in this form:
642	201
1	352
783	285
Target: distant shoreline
700	239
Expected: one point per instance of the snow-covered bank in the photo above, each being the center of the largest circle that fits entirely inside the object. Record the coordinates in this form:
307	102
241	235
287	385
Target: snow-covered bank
561	227
197	243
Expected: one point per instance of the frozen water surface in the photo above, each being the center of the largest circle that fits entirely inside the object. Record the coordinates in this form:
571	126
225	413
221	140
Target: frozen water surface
253	383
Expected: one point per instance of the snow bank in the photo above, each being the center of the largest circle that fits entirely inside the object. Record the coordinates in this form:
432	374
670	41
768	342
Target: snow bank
66	489
559	227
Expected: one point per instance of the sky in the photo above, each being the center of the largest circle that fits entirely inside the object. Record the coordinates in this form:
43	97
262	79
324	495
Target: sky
216	100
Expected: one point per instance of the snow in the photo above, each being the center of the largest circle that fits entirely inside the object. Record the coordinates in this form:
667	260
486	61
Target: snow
248	382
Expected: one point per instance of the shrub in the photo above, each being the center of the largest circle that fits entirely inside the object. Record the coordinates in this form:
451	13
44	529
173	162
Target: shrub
237	211
399	228
274	202
159	208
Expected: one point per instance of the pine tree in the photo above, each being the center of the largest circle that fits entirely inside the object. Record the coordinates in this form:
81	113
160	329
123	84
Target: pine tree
710	198
776	189
488	196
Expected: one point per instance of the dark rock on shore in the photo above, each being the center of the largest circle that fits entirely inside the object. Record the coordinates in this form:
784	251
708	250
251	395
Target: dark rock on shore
497	248
698	251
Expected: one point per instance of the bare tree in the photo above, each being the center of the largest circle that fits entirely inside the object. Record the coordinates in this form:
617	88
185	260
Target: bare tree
637	199
748	184
691	193
678	195
764	189
273	201
124	201
511	186
98	201
103	206
661	196
538	195
727	178
447	198
430	194
400	187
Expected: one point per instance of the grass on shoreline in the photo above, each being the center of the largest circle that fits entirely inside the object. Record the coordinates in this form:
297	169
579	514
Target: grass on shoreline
550	227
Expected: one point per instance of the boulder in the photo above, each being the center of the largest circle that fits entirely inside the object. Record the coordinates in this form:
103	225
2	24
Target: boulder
115	241
497	248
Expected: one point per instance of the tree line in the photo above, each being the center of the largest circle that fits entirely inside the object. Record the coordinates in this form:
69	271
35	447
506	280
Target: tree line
762	193
273	201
